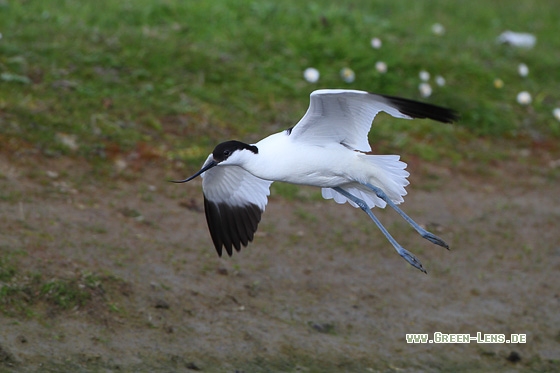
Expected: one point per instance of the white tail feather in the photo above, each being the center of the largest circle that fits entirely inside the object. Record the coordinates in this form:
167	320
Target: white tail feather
389	174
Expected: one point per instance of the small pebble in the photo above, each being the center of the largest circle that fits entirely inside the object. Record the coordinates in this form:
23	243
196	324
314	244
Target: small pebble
52	174
162	304
513	357
192	366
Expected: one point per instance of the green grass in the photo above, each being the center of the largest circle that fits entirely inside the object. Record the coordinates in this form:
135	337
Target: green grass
7	269
23	294
171	78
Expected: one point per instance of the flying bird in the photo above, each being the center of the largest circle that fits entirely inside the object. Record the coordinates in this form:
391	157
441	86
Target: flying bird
327	149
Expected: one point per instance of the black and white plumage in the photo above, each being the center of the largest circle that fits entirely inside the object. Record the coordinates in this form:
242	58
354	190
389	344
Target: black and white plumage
326	148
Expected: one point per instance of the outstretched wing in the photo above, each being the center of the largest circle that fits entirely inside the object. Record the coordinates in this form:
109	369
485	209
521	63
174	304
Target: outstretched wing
345	116
234	201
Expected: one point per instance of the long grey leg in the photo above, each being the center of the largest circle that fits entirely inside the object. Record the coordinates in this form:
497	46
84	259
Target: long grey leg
424	233
402	251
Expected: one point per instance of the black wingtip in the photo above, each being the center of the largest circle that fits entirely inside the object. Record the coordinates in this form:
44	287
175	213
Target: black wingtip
231	226
416	109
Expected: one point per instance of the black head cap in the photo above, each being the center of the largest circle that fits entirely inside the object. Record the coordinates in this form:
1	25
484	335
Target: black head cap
224	150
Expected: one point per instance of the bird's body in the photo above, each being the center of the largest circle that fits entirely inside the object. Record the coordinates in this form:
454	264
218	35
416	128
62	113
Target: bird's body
326	149
281	158
289	160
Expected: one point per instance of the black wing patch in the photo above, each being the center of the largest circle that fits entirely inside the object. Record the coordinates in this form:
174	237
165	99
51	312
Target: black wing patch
231	226
422	110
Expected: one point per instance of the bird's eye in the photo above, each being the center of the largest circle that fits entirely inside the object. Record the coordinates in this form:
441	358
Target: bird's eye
227	153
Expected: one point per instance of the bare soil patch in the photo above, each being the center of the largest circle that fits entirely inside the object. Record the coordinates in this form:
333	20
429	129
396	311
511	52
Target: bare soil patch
318	290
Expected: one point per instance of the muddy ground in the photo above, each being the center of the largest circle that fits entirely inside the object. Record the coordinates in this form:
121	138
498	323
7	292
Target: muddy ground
318	290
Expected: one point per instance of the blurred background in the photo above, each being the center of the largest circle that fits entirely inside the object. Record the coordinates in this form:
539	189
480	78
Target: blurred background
89	79
102	101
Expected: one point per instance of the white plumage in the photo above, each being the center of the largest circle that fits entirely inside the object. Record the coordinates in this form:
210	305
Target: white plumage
342	116
326	148
235	186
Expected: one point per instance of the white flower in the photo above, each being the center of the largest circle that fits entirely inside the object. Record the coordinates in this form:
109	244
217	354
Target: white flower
440	80
381	67
524	98
438	29
347	75
376	43
556	113
523	70
425	89
424	75
311	74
